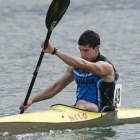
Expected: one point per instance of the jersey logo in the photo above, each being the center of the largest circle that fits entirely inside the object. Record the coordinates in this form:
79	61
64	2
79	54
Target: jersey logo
85	81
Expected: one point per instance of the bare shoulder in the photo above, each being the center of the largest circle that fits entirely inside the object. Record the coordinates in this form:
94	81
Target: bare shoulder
108	73
105	65
66	79
70	69
68	74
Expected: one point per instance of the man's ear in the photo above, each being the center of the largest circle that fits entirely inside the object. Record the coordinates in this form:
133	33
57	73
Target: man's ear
97	47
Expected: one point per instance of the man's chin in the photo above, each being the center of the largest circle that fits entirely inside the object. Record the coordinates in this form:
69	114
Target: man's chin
86	59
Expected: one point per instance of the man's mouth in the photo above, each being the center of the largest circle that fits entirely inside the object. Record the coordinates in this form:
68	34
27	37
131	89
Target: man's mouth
84	58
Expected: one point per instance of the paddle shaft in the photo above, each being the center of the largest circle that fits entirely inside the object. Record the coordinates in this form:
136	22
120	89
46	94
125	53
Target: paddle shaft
36	71
54	14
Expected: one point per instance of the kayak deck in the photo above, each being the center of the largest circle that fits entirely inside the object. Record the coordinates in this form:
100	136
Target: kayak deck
57	114
128	115
124	113
61	117
31	127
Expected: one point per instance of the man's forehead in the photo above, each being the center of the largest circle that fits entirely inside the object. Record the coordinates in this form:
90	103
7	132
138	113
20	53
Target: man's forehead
84	47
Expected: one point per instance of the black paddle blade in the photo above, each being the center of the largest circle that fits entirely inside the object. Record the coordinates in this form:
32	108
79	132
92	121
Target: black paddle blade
56	12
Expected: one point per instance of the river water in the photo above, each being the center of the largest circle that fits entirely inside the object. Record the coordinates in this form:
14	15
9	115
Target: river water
22	29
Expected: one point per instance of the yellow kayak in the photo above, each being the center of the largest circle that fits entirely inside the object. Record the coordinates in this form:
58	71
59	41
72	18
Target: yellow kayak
57	114
61	117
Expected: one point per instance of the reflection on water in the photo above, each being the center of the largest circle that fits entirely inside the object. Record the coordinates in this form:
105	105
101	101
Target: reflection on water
88	134
82	134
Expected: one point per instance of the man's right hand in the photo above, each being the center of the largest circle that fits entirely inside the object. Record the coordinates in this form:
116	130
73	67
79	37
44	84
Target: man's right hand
22	107
49	48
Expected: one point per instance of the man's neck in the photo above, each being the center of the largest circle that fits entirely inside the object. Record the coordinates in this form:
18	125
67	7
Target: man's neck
97	56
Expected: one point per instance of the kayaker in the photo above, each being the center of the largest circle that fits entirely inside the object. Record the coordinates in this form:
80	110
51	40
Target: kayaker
94	74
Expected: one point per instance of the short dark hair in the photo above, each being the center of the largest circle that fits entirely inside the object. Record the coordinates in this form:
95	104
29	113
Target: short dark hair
90	38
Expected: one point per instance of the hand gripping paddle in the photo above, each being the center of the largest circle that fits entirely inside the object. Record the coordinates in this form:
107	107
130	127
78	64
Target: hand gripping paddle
56	11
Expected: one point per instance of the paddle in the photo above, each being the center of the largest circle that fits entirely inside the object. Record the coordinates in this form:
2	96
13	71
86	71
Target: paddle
56	11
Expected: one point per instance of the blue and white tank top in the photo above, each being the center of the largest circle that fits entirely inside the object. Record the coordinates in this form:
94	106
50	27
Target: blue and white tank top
92	88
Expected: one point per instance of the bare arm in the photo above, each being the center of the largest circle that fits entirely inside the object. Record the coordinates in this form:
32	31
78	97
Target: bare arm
53	89
104	69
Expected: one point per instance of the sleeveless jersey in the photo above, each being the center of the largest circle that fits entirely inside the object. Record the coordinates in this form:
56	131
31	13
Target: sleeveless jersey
92	88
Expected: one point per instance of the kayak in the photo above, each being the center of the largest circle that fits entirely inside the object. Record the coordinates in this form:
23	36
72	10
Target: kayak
61	117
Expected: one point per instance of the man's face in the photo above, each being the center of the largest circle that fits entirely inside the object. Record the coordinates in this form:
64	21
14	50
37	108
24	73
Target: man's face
88	53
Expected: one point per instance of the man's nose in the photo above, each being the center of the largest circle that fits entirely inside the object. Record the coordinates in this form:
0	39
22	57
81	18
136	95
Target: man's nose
82	54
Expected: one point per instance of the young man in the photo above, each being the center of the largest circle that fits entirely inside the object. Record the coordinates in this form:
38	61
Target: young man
94	74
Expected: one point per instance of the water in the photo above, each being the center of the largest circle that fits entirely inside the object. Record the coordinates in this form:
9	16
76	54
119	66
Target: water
22	29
